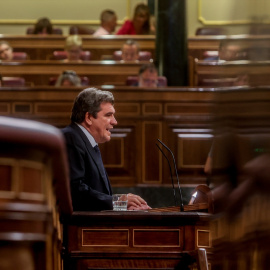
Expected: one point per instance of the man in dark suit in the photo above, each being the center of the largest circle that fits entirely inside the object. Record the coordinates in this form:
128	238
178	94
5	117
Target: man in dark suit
92	119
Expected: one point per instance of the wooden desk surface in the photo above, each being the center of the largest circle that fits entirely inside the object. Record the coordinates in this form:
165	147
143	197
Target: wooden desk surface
52	41
212	42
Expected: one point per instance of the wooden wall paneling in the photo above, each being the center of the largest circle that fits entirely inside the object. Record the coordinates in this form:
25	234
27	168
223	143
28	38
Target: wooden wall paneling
151	157
131	240
5	108
120	156
193	149
143	116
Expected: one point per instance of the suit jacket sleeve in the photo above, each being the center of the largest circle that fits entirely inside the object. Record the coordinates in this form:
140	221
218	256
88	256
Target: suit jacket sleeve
87	188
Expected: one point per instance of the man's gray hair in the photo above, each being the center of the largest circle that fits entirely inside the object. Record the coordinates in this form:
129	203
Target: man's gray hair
89	100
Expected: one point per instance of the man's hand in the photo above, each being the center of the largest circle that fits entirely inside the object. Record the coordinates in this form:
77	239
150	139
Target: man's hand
135	202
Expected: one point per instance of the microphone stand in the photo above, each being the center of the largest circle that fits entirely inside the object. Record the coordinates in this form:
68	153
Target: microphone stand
175	202
176	173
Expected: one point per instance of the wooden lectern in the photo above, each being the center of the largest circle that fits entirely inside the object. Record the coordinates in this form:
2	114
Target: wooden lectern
162	238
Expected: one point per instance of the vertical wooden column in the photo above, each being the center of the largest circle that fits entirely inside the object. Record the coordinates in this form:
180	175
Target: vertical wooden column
171	41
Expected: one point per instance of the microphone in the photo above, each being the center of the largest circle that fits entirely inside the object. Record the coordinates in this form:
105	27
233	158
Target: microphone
175	202
176	173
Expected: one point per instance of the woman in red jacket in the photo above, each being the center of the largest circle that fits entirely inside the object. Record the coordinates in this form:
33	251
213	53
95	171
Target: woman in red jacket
140	25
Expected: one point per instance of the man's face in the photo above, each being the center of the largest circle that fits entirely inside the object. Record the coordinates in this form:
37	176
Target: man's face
112	24
100	126
130	52
149	78
74	53
229	52
67	82
6	52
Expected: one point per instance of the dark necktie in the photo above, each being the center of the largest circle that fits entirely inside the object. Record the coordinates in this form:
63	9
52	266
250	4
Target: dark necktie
100	162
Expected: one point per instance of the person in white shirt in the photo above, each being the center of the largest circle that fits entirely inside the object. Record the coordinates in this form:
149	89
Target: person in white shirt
108	22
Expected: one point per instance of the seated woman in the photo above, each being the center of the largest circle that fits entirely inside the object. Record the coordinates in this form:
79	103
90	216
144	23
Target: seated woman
139	25
68	78
43	27
73	48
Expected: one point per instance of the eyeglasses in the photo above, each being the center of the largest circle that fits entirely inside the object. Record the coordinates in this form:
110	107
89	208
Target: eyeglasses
69	72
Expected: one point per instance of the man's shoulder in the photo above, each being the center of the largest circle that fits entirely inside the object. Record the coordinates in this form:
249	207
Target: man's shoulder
68	128
73	135
71	130
100	31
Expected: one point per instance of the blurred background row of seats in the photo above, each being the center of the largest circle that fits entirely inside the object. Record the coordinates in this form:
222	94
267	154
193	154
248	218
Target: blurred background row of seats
256	29
201	31
20	81
133	81
61	55
55	31
13	81
85	56
73	30
143	55
20	56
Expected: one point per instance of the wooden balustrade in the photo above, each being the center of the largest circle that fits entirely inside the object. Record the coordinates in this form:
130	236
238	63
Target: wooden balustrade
257	72
98	72
41	48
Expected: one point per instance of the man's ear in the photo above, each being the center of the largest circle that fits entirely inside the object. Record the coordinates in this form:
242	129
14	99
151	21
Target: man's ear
88	118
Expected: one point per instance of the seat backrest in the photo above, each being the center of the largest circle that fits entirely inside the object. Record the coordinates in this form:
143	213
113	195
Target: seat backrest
55	31
211	55
217	82
133	81
80	30
143	55
20	56
84	81
259	29
13	81
162	81
209	31
23	141
61	55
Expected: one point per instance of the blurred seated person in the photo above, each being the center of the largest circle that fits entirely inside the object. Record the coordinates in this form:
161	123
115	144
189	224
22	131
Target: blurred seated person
228	51
130	50
68	78
43	27
108	22
139	25
148	76
73	47
6	51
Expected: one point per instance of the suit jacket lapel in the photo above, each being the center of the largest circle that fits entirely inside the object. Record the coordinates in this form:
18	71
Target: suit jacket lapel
94	155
